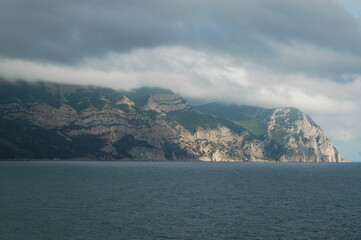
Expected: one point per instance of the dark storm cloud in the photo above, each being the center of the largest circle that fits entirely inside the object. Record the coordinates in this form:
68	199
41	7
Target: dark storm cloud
260	32
71	30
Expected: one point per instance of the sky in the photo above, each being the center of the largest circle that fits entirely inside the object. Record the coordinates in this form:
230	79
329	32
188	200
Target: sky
305	54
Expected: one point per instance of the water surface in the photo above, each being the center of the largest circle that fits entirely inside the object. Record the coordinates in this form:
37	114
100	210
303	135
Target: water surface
174	200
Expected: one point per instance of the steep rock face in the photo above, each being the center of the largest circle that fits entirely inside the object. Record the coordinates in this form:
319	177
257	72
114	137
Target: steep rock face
303	140
71	122
125	101
40	114
165	103
219	144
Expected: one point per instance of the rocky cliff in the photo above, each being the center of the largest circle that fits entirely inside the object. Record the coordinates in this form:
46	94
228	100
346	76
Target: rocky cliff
302	139
53	121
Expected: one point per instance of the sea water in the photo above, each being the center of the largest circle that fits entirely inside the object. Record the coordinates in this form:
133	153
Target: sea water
178	200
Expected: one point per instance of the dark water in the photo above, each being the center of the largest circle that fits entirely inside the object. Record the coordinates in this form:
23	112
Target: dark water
117	200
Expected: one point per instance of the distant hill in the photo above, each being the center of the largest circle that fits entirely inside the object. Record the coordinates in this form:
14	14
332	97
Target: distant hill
57	121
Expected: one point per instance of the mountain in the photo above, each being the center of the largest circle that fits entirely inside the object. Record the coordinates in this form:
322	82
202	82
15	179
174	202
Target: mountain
56	121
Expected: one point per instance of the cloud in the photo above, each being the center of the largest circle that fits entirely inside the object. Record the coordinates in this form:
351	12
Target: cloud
282	35
198	75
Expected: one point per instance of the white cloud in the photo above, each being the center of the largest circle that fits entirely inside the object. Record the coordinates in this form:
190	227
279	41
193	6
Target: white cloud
199	75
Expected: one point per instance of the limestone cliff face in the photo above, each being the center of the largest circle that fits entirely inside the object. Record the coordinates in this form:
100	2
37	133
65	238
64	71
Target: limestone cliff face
67	122
303	140
165	103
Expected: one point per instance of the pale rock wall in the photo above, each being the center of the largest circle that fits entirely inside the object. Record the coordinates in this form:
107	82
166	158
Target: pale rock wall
166	103
304	141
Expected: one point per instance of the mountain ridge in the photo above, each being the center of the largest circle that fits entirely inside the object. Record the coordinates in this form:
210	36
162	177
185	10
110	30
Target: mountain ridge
59	121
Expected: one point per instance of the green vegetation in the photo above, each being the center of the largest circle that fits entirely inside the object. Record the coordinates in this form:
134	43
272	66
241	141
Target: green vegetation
288	119
250	118
284	122
280	136
83	99
254	127
294	115
193	119
30	141
23	92
232	112
97	97
92	97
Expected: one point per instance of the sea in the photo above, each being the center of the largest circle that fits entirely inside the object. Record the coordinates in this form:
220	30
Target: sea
56	200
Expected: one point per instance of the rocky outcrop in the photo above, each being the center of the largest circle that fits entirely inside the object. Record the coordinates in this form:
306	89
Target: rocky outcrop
166	103
40	114
125	101
65	122
302	139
